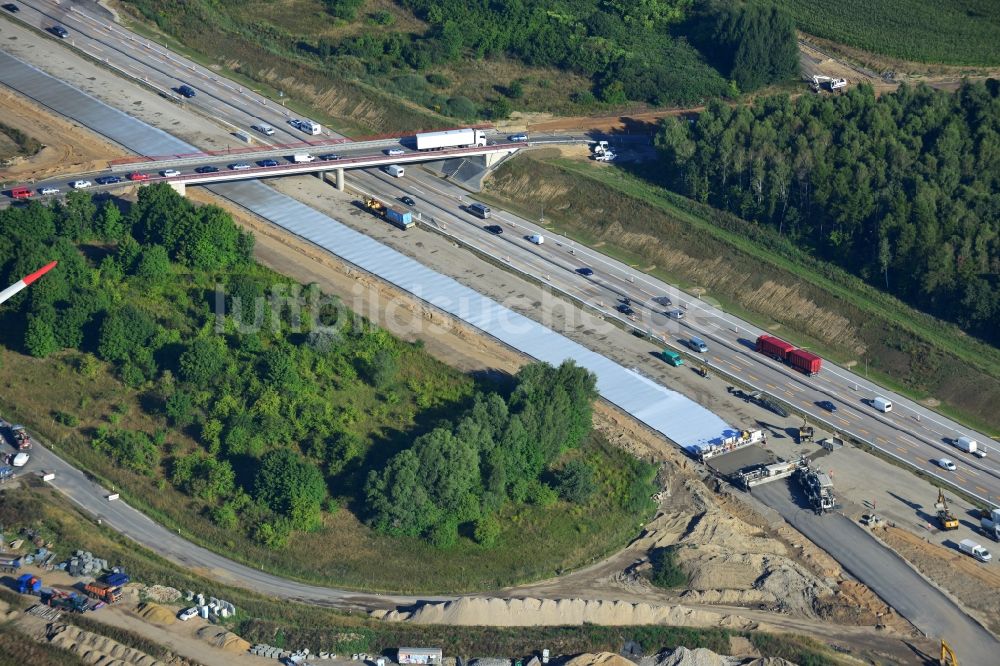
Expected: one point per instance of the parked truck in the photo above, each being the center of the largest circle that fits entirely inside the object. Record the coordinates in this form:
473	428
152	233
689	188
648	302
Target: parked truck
780	350
990	522
109	594
398	217
28	584
22	441
457	138
970	547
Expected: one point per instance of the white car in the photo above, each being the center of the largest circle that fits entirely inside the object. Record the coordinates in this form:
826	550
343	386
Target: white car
20	459
186	615
48	190
944	463
170	173
536	239
80	184
240	166
394	151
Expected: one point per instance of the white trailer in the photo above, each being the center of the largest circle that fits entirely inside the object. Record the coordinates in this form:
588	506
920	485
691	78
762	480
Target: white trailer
966	444
459	138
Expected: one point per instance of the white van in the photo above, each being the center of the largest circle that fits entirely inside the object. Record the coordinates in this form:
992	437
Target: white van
395	170
882	404
536	239
299	158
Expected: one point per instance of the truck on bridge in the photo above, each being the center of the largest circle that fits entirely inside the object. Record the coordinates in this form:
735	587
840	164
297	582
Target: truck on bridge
457	138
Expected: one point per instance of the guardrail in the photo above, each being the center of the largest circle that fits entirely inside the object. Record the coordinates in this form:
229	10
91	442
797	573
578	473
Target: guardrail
598	307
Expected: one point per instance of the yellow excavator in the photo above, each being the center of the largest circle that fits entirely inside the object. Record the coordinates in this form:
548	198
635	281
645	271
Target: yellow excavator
948	657
945	517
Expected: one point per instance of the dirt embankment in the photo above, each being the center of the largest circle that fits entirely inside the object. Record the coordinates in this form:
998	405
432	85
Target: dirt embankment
68	148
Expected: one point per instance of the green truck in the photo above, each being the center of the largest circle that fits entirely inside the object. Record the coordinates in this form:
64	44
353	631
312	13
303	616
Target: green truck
672	357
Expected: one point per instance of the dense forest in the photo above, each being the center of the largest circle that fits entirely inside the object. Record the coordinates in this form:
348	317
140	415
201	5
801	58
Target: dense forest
903	190
296	405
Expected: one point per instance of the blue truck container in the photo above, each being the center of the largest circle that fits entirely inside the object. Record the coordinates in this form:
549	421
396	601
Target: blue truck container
399	217
117	579
28	584
10	563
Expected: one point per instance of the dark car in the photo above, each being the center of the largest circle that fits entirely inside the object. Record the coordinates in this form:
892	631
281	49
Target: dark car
494	229
676	313
108	180
268	163
663	300
186	91
208	168
625	310
11	7
59	31
827	405
585	271
408	201
329	157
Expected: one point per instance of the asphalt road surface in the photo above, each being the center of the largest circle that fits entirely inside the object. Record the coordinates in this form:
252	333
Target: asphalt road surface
910	432
120	516
885	573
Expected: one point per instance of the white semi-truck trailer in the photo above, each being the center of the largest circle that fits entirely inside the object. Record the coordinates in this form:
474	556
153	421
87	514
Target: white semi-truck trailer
459	138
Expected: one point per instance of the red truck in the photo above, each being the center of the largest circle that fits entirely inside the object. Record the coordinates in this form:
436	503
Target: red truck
799	359
774	347
20	193
804	361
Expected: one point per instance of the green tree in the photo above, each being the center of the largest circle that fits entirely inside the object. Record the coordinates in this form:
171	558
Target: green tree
39	338
109	225
667	572
576	482
290	487
203	360
153	266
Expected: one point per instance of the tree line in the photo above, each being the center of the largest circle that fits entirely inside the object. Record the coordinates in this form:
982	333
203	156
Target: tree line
901	189
292	412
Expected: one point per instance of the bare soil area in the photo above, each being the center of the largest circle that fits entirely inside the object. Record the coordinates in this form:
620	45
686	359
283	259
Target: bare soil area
68	148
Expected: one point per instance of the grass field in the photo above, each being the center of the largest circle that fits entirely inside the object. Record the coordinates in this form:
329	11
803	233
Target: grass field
282	623
954	33
761	279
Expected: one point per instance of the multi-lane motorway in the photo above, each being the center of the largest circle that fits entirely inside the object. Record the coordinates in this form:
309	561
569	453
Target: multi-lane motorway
910	432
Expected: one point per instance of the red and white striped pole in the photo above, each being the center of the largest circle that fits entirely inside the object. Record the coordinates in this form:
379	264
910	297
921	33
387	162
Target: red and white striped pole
24	282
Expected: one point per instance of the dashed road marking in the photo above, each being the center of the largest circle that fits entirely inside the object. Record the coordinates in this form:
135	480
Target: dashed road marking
883	440
863	430
752	377
900	448
960	478
982	490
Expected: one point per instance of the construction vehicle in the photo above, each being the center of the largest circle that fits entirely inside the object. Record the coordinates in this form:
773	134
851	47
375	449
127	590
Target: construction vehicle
945	517
820	82
989	520
948	656
71	602
117	579
818	487
22	441
806	433
703	371
109	594
397	217
602	152
29	584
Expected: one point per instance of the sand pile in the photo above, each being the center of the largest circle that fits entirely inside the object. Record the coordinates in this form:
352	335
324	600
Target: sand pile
476	611
682	656
156	614
599	659
220	638
96	649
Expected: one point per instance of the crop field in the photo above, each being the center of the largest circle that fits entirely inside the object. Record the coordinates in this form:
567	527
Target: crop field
966	32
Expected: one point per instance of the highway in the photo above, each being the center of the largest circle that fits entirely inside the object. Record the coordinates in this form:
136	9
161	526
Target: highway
911	433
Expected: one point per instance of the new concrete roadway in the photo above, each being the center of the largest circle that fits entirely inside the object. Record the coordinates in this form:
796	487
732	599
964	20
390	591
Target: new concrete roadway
911	433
